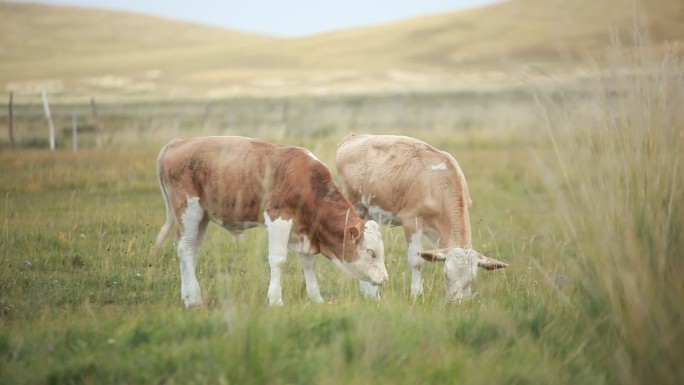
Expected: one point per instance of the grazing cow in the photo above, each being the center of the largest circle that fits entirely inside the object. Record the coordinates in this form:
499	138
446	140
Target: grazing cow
402	181
240	183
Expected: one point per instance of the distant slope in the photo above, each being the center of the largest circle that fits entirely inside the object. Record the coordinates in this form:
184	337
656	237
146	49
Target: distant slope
38	30
66	45
515	31
76	51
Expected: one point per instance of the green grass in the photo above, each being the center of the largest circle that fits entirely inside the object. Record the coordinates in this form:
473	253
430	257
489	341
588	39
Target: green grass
98	303
585	205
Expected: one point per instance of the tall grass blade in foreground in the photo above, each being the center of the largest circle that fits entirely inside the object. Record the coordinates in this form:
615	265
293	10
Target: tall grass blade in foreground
621	160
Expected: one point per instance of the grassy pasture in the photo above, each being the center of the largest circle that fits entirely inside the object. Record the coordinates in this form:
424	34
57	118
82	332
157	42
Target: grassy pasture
86	298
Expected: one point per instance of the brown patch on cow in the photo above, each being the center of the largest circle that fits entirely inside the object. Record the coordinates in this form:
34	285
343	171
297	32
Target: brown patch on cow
239	179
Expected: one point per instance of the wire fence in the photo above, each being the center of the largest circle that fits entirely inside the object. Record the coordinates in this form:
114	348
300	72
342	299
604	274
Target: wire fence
90	124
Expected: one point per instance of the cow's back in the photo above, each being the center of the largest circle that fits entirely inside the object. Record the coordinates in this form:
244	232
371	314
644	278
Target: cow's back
397	173
231	175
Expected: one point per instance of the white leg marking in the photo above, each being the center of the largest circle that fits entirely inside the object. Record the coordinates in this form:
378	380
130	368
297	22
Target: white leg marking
369	291
188	246
312	289
278	237
416	262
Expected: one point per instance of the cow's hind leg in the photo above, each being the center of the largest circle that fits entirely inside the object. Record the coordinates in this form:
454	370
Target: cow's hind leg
192	227
312	289
278	237
201	232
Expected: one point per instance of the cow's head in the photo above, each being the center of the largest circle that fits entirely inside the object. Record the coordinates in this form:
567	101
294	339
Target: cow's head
364	255
460	268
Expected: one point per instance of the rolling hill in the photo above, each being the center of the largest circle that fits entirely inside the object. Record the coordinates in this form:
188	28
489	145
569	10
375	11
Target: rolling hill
75	51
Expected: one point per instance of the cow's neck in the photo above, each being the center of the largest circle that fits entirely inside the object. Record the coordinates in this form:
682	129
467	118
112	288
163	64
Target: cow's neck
330	229
456	227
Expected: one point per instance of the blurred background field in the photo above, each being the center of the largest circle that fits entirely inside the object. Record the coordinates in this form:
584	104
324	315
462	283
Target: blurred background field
572	156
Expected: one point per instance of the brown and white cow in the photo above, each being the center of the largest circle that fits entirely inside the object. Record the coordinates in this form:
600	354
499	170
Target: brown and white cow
403	181
240	183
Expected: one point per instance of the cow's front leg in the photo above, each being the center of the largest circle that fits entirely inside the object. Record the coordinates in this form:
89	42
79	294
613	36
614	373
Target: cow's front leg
415	245
312	289
278	236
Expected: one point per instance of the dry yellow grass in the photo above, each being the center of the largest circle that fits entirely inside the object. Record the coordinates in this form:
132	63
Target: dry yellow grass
623	199
78	51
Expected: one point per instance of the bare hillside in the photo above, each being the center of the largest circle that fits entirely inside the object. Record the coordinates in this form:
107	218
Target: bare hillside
78	51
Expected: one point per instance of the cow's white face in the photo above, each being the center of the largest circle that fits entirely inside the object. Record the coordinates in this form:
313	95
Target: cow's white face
370	264
460	270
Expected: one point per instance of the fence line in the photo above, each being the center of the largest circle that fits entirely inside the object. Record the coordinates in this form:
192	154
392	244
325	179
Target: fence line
96	122
10	120
48	115
272	118
74	128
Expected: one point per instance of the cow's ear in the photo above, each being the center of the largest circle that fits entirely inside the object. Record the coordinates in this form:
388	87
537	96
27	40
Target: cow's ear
351	234
489	263
434	255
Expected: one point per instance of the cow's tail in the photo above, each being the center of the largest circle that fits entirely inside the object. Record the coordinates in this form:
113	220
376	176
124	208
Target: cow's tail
164	232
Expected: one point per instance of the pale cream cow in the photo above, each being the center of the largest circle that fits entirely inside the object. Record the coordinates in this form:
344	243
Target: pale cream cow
403	181
240	183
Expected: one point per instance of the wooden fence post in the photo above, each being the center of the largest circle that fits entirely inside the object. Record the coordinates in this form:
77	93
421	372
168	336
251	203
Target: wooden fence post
96	122
207	111
48	115
10	120
283	118
74	127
